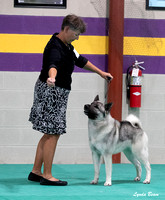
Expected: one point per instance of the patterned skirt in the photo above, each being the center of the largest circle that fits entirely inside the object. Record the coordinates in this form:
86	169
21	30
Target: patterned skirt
48	113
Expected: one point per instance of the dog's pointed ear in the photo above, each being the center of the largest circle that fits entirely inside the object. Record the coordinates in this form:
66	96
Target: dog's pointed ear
108	106
96	98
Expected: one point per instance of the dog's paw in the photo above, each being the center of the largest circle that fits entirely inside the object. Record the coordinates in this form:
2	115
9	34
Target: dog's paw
107	183
94	182
146	181
137	179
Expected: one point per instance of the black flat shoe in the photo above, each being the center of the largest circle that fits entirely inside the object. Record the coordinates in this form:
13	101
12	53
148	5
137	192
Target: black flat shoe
34	177
45	181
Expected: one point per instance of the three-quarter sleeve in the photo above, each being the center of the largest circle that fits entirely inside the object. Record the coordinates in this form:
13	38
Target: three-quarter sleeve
80	60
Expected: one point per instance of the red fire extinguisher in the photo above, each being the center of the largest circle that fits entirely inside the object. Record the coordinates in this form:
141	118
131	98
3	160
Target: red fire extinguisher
134	84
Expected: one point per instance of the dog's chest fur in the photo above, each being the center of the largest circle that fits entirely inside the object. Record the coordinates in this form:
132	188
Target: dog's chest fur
101	134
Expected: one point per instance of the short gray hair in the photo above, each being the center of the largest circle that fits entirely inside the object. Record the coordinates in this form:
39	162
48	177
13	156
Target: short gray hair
74	22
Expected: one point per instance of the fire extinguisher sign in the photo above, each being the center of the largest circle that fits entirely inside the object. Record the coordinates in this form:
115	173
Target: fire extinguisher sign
135	72
135	78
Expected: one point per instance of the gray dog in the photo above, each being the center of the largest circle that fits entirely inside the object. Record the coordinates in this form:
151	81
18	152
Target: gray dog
108	136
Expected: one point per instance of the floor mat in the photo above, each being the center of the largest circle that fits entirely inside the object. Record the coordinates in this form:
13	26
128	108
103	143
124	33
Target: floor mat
15	186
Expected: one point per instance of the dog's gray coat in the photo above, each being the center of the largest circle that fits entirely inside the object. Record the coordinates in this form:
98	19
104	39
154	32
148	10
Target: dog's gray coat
108	136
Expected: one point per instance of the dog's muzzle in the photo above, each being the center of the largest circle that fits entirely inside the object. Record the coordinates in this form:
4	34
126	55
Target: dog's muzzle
86	109
89	113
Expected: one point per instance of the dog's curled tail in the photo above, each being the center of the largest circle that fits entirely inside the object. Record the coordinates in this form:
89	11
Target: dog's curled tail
134	121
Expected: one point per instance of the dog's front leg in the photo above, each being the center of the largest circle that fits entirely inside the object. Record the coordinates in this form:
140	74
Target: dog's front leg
108	168
96	162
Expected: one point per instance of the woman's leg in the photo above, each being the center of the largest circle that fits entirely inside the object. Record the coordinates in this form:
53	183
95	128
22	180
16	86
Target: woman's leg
48	155
44	154
39	157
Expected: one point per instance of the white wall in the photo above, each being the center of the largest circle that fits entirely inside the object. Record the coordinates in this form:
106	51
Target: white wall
17	139
151	114
137	9
85	8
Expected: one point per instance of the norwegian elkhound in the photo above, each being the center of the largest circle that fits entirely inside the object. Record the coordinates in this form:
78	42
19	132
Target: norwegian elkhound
108	136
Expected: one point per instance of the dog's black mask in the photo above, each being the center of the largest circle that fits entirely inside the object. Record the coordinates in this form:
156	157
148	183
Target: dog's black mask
90	112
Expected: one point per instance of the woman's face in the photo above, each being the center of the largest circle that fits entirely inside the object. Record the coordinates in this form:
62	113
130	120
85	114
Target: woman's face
71	35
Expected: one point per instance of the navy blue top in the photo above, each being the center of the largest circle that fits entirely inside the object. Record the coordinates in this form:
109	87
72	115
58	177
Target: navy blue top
63	58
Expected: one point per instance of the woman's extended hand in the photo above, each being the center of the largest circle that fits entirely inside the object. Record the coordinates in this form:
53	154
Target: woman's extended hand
107	76
51	82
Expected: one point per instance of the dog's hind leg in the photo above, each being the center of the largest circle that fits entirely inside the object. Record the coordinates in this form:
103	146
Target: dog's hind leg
97	162
143	158
148	172
130	156
141	152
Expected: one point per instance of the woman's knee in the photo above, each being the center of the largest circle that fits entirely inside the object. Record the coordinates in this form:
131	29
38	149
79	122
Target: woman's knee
51	137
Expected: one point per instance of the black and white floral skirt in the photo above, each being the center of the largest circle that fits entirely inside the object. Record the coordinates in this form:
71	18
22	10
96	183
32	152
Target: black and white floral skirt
48	113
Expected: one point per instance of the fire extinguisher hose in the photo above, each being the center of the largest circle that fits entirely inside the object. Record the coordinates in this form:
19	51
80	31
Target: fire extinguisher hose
128	82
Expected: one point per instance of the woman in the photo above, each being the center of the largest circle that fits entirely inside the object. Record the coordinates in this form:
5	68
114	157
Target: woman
48	113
